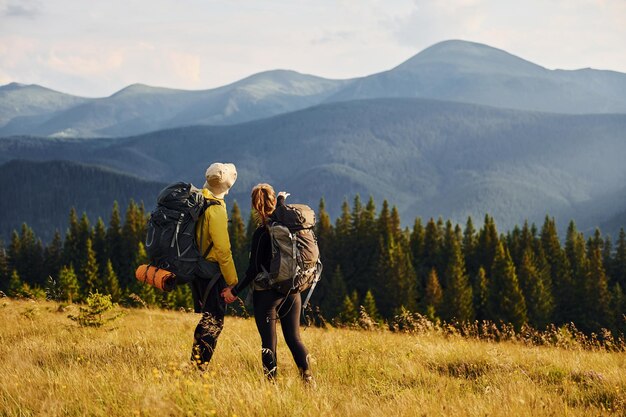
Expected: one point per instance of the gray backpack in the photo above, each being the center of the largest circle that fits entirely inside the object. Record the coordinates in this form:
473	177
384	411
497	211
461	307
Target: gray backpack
295	264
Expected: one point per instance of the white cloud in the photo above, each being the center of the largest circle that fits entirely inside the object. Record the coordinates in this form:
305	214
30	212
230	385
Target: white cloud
96	48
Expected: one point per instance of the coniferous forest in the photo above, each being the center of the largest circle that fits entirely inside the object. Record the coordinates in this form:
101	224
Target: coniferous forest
441	270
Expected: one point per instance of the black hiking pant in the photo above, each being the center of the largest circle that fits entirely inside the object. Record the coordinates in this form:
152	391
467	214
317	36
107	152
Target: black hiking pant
270	306
212	321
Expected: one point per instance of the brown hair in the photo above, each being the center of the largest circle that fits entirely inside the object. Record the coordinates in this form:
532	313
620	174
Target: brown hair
263	201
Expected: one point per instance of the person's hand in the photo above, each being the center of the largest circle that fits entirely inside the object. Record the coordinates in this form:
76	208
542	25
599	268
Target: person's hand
283	194
228	296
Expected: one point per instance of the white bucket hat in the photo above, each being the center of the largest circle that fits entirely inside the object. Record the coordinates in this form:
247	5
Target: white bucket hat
220	178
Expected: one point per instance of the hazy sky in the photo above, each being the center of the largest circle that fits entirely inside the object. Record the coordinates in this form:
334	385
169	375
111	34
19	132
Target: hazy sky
94	48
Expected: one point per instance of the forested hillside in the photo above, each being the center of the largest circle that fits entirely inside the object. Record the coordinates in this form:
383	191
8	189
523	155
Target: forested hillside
42	193
437	268
430	158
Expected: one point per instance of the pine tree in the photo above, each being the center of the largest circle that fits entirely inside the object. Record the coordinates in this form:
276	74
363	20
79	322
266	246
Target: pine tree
488	242
369	304
111	284
458	292
179	297
396	277
99	239
146	292
433	242
53	256
417	241
619	264
15	285
333	298
71	251
469	246
30	262
114	250
506	301
89	271
68	284
13	252
576	253
325	241
481	295
238	243
597	294
4	268
538	298
84	233
433	296
618	309
562	284
349	313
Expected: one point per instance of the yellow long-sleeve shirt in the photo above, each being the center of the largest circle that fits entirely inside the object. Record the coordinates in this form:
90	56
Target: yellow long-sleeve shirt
212	227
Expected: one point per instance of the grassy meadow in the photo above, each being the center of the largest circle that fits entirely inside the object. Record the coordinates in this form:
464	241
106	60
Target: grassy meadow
138	365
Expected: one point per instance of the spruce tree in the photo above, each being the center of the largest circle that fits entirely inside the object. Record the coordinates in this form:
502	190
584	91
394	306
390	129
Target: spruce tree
618	309
481	295
576	253
560	274
506	301
71	251
15	286
369	304
4	268
13	252
433	242
349	313
111	284
179	297
433	296
115	250
89	272
238	243
325	241
458	292
333	298
538	299
30	259
396	277
99	239
53	256
488	242
68	284
598	299
84	233
469	246
619	264
417	245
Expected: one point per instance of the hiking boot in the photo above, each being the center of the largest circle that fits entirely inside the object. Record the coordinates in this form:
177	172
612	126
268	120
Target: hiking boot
307	378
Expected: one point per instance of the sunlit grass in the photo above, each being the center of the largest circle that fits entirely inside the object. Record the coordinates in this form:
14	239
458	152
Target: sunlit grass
139	365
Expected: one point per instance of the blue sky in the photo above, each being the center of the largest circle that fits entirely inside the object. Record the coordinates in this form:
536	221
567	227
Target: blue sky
94	48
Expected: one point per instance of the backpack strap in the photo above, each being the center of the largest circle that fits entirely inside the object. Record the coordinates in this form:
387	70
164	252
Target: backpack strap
208	289
209	203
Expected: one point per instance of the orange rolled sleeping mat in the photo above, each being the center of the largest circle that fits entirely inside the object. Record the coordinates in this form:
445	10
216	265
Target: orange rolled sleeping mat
159	278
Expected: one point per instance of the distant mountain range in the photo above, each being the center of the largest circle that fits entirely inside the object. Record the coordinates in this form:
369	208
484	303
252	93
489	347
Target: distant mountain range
428	157
452	70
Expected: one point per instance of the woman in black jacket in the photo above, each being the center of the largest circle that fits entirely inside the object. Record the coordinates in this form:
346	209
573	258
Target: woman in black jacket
269	304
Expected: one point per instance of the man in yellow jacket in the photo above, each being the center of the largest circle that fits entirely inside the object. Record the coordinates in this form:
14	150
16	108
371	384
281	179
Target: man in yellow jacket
213	240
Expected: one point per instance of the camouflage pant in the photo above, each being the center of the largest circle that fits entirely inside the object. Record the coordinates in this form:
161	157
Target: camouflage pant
205	338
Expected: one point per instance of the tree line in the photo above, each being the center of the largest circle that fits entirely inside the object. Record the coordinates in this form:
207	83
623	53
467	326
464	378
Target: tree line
439	269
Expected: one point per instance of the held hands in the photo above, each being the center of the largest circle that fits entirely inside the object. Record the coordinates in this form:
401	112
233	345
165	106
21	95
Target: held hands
228	296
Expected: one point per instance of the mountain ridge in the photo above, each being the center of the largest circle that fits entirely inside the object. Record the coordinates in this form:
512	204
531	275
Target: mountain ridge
453	70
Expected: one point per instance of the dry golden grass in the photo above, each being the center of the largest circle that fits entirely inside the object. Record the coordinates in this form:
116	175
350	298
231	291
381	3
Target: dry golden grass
138	365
